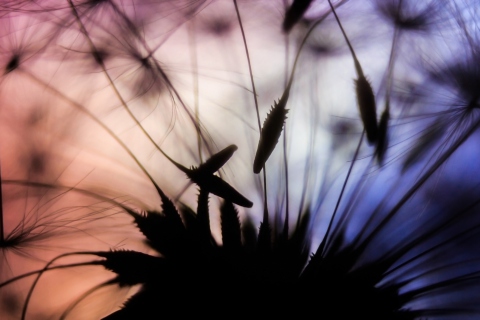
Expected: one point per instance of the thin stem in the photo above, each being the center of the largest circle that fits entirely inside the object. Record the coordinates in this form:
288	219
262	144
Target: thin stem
96	120
31	273
194	60
85	295
117	93
66	189
285	160
304	41
30	292
265	204
343	190
391	67
249	64
424	178
355	60
162	73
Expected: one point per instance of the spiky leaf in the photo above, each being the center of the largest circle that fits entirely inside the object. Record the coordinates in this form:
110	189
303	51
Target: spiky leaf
165	233
231	232
216	161
132	267
272	128
217	186
203	217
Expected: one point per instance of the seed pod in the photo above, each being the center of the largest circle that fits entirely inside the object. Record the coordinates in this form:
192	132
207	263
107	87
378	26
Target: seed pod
365	96
216	161
382	141
203	176
217	186
272	128
367	107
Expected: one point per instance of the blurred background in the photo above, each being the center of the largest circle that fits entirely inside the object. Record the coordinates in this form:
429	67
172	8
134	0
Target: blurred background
90	91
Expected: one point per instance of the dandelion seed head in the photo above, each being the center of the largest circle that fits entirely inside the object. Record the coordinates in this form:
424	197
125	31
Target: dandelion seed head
409	15
461	77
11	303
323	43
12	64
100	56
93	3
217	23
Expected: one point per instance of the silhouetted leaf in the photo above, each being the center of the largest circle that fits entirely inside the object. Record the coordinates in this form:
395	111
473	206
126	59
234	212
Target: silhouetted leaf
231	232
203	217
165	233
218	187
132	267
216	161
249	234
272	128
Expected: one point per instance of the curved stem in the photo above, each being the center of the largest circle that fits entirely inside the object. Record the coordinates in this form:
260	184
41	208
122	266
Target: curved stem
342	191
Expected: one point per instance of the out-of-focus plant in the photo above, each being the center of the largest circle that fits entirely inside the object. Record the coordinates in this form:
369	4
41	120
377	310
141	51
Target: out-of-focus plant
224	158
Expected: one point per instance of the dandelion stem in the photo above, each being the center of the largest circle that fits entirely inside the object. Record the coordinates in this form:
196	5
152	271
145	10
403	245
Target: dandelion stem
342	191
424	178
194	59
117	93
304	41
432	233
150	52
265	204
85	295
314	25
96	120
391	67
355	60
31	273
66	188
46	268
306	176
285	160
249	64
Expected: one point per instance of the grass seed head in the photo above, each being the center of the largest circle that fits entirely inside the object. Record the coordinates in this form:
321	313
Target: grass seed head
271	130
367	107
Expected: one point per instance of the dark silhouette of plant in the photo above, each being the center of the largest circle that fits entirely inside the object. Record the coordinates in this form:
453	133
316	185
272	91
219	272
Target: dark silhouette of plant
129	137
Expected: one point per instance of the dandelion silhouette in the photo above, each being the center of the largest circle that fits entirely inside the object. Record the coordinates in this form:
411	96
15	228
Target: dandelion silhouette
104	103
